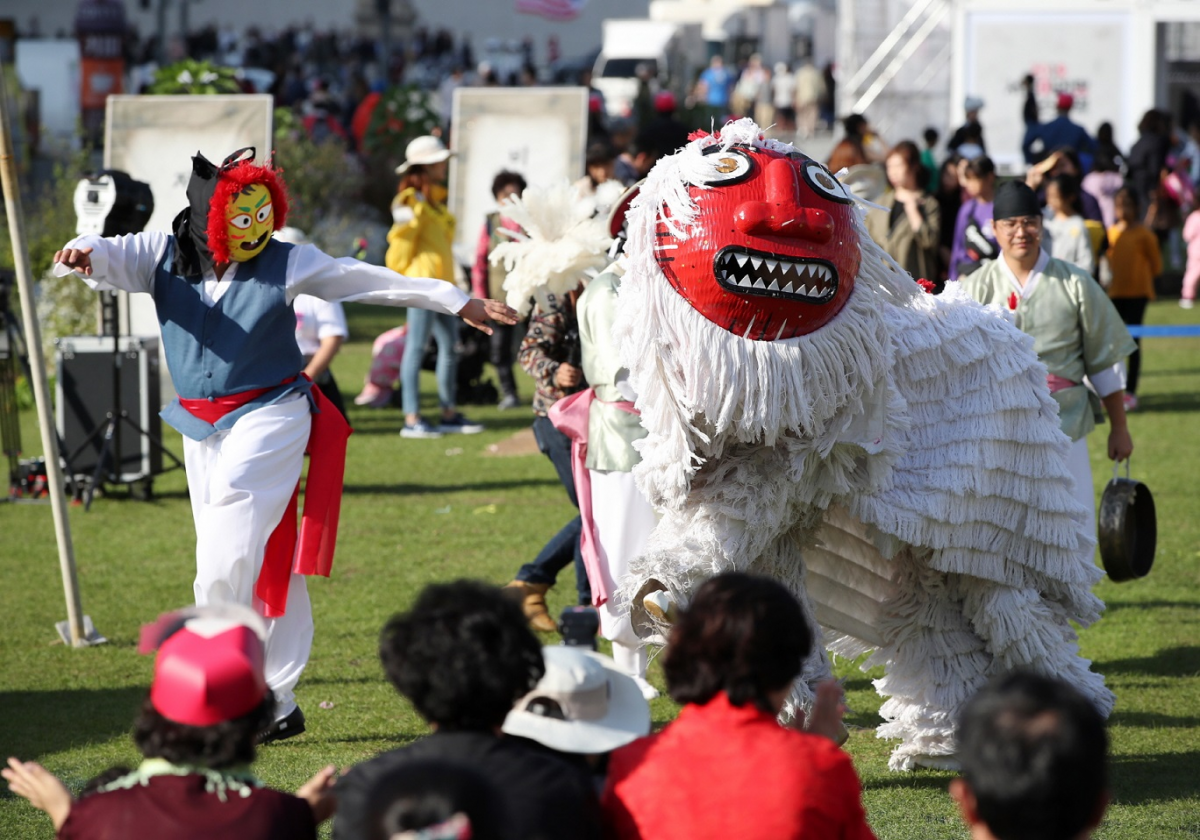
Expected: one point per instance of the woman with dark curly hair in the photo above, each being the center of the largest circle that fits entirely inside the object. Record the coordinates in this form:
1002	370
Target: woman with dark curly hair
463	655
197	729
725	767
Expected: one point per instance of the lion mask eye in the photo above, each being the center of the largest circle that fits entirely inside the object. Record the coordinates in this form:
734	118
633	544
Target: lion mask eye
825	184
729	166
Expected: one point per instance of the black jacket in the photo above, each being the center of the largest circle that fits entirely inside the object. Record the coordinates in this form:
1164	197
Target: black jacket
545	797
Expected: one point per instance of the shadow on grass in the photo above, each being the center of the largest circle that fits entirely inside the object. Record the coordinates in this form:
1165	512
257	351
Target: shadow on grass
1113	606
921	779
1151	403
39	723
1153	720
1159	777
1151	374
373	489
1169	662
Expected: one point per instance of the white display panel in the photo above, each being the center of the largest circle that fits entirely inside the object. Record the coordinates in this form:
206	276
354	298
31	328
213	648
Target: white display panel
539	133
1084	54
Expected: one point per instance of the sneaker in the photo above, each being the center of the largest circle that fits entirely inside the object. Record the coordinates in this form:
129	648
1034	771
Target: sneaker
1131	402
648	691
420	429
1184	303
459	425
509	401
288	727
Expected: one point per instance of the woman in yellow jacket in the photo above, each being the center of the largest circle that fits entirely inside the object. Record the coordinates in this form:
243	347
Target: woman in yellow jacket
419	246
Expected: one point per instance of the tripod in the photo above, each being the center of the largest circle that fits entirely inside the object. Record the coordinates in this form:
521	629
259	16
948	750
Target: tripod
108	460
13	352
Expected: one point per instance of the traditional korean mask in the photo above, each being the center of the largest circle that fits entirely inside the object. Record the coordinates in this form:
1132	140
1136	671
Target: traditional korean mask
773	251
251	221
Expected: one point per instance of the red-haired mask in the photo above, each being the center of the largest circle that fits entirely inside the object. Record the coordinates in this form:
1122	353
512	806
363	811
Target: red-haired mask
233	209
773	251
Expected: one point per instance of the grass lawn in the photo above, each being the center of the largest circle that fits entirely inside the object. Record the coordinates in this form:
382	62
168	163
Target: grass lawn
422	511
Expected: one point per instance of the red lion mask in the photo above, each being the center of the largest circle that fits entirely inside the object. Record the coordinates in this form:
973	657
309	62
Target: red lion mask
773	251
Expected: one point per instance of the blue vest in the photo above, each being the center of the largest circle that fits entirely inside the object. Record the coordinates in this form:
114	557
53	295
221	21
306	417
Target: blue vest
245	342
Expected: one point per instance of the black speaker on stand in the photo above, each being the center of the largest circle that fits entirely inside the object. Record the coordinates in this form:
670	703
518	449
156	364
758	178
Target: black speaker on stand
109	382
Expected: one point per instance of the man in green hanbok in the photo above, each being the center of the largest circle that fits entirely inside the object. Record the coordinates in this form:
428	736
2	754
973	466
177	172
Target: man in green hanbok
1076	330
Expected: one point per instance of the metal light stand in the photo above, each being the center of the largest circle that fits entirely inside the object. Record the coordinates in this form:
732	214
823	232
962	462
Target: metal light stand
110	450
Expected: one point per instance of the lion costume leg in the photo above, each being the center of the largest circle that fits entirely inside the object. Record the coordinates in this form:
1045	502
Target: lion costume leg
933	661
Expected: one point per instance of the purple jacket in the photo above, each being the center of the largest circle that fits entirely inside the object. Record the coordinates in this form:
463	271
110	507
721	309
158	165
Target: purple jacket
962	250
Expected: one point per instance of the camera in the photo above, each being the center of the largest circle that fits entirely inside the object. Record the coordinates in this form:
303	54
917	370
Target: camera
111	203
579	626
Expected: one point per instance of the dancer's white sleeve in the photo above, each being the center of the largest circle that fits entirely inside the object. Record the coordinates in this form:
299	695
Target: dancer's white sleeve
119	263
313	272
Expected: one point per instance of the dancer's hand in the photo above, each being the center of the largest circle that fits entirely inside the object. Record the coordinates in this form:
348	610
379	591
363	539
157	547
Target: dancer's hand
318	792
567	376
479	311
76	259
1120	444
826	716
41	787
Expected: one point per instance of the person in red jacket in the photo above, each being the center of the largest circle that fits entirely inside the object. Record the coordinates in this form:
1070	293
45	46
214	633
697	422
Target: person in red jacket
726	767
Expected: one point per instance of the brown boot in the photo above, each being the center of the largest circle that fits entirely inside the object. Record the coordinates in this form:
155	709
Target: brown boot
533	601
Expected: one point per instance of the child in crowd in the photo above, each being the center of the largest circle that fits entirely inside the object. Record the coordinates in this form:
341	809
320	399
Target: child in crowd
1064	233
974	242
1136	260
489	279
1191	275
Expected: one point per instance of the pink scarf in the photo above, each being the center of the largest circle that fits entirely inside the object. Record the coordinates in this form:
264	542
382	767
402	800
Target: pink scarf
570	416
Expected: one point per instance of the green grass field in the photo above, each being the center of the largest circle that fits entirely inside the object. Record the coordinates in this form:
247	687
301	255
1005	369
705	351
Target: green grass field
423	511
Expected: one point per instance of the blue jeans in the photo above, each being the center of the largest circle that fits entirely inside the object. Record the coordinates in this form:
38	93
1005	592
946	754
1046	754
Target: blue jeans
563	547
421	322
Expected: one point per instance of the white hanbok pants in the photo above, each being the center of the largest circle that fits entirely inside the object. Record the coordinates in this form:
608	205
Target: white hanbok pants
241	481
1080	466
624	520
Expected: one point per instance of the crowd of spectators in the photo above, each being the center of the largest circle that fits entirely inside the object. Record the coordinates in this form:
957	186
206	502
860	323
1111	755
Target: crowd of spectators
532	742
1119	216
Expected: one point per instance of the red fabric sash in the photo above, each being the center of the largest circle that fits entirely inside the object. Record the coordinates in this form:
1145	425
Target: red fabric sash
212	410
570	416
1058	383
310	551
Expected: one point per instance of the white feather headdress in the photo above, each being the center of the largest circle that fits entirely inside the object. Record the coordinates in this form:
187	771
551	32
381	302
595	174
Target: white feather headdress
563	238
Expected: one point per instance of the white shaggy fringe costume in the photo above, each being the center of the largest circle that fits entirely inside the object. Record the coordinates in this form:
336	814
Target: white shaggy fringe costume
900	469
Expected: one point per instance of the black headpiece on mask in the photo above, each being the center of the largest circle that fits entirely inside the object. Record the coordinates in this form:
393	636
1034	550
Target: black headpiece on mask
192	255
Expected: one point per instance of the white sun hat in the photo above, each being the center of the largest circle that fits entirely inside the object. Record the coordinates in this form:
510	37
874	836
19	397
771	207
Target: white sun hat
423	151
584	704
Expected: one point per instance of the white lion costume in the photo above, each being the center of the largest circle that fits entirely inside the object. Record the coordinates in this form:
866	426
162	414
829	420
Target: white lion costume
892	457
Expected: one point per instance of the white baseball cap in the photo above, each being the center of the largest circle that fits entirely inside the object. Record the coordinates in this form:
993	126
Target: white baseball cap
422	151
584	704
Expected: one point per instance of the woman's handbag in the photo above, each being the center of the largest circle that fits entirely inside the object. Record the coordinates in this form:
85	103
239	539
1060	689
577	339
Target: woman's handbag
1128	528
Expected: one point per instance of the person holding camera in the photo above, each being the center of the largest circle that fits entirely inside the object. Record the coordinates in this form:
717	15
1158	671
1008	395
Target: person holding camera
550	353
